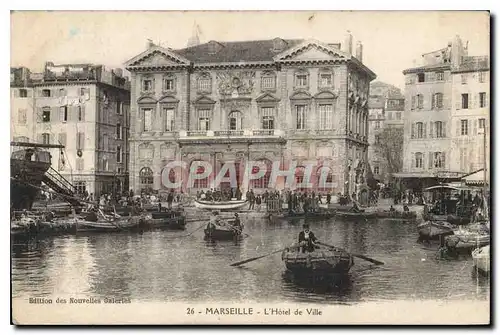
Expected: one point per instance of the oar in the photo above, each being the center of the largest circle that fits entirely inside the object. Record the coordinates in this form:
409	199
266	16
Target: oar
256	258
366	258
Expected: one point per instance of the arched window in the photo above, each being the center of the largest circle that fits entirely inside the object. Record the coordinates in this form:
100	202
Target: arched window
199	183
262	182
146	176
235	120
419	160
322	182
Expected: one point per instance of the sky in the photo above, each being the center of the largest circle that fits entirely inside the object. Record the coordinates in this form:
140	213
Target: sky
392	40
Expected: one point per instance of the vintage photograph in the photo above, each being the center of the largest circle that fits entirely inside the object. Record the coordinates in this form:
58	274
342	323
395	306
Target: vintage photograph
250	167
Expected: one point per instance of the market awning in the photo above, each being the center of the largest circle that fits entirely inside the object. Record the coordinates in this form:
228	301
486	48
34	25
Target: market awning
475	178
449	187
413	175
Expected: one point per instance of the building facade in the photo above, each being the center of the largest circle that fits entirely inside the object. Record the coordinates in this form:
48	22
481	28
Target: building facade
386	109
446	98
267	101
22	102
86	109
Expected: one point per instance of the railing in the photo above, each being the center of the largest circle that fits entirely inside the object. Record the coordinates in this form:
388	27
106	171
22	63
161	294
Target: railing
263	132
228	133
60	181
193	133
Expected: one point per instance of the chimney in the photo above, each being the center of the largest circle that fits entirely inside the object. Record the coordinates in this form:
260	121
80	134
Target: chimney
118	72
347	47
149	44
359	51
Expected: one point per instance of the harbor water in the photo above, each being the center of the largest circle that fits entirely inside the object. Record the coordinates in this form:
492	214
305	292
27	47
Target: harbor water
170	266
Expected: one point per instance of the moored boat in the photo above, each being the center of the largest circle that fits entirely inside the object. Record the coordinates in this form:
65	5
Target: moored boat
220	205
433	230
481	259
322	214
321	261
378	215
466	240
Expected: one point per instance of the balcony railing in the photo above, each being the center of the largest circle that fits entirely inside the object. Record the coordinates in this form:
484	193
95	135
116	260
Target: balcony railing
263	132
193	133
230	133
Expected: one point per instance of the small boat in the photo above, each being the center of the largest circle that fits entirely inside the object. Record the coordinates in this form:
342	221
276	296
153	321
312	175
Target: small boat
466	240
223	233
175	220
322	261
103	225
324	214
481	259
432	230
220	205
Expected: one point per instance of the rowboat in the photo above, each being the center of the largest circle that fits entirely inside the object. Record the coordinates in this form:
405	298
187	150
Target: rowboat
122	224
432	230
481	259
175	220
220	205
223	233
322	261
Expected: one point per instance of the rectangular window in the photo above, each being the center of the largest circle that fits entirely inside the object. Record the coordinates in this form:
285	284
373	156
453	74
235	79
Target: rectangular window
63	113
46	115
268	82
46	93
46	138
464	127
398	115
118	154
168	84
23	93
22	116
420	130
464	79
419	160
169	119
439	76
465	101
62	92
325	117
300	113
438	125
420	101
267	118
81	116
147	85
482	99
325	80
204	119
377	124
204	84
482	77
83	91
148	119
118	108
301	80
376	170
482	123
118	131
438	100
421	77
438	160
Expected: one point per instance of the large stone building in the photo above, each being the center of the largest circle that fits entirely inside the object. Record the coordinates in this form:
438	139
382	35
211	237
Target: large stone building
83	107
446	106
246	101
386	108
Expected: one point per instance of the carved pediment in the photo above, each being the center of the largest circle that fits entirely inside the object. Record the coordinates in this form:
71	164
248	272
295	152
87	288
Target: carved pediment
146	100
267	97
326	95
168	99
301	95
157	56
311	50
203	100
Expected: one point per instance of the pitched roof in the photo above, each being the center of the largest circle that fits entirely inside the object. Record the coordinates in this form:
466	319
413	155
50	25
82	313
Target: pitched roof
376	102
247	51
475	63
430	67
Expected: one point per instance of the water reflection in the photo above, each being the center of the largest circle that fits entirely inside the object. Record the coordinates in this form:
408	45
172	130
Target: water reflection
171	266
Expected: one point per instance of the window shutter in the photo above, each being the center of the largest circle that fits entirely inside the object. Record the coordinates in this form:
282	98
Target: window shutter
16	93
430	160
54	114
431	128
458	128
39	138
82	140
475	127
413	160
444	129
52	139
412	130
472	101
62	139
82	108
443	160
61	114
469	128
433	101
38	115
458	102
424	129
486	100
413	102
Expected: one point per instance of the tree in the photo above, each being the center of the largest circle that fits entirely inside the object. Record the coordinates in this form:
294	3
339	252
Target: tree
389	146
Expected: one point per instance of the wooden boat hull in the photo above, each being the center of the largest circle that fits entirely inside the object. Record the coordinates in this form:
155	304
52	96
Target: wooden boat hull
219	234
22	195
453	219
466	243
481	259
221	206
432	230
106	226
297	216
319	262
173	223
